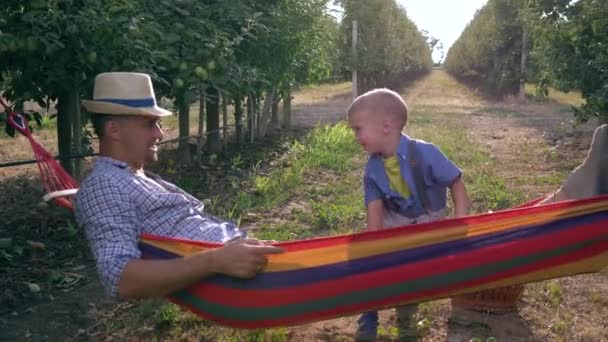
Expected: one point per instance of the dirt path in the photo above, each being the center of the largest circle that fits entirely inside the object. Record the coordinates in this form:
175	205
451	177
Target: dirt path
321	104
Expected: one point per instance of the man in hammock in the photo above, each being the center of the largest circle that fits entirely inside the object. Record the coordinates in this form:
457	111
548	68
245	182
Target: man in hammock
119	201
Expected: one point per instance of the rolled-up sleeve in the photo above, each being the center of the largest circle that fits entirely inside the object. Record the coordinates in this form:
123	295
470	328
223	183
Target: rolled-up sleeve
371	190
109	219
443	170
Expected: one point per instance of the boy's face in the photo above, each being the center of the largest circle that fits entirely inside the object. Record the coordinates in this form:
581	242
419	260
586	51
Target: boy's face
370	130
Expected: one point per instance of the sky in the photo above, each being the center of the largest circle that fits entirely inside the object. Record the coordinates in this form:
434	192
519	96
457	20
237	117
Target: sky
443	19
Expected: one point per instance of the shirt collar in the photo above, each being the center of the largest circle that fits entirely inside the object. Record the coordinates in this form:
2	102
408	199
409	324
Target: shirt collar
102	160
402	149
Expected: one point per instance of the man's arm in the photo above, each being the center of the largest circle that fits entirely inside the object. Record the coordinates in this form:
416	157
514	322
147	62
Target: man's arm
460	198
109	219
154	278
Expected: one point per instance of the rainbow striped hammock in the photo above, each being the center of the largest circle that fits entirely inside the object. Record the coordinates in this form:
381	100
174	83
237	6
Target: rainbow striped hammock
328	277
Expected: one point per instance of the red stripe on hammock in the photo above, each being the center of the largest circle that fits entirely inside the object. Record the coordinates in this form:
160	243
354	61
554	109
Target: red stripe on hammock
385	303
425	268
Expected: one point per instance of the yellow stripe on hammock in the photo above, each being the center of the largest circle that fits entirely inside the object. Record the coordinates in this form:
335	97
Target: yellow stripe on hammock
316	257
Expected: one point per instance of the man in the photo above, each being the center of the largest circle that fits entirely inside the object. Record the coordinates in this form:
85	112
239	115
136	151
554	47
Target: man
119	201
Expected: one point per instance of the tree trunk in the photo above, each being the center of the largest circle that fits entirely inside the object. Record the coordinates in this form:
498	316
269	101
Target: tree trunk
183	109
76	134
201	113
287	108
201	124
65	113
213	120
225	122
238	118
250	122
524	58
258	117
274	120
265	117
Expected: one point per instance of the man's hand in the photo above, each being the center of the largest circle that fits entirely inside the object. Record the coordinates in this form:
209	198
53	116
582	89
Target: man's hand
242	258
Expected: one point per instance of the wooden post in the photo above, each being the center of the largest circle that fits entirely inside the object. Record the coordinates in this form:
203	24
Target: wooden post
355	62
524	58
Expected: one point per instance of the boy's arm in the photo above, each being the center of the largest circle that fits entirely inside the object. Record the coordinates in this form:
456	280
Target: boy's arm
375	214
447	174
460	198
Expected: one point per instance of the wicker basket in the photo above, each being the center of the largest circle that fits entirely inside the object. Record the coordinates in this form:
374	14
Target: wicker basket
499	300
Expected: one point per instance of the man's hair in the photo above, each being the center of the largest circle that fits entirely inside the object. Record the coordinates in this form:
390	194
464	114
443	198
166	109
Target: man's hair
99	123
383	101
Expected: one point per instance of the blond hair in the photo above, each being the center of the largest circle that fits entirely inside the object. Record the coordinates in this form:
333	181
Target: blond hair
383	101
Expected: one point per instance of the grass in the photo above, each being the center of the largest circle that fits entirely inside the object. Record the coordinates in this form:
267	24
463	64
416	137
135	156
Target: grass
327	149
487	190
337	207
572	98
318	93
307	186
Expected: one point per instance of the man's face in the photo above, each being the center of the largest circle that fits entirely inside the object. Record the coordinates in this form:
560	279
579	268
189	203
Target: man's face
138	136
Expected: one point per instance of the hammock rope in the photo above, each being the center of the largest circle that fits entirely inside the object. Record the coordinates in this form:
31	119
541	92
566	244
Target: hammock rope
58	184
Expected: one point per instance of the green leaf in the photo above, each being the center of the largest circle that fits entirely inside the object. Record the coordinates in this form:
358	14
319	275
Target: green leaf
182	12
172	38
6	243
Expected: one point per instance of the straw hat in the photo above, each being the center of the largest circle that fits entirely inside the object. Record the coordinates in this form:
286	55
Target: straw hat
124	93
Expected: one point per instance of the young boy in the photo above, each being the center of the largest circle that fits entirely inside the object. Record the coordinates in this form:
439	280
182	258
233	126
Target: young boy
405	181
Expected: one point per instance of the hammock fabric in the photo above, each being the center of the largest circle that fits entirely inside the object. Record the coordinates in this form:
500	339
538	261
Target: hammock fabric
329	277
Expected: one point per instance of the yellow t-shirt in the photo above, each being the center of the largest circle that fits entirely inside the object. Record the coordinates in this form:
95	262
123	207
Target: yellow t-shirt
393	171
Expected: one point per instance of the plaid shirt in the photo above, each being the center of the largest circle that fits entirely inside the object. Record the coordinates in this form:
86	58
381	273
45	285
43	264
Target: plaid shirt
115	206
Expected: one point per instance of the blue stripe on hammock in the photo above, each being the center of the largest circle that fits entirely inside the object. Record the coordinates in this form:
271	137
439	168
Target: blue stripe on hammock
274	280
